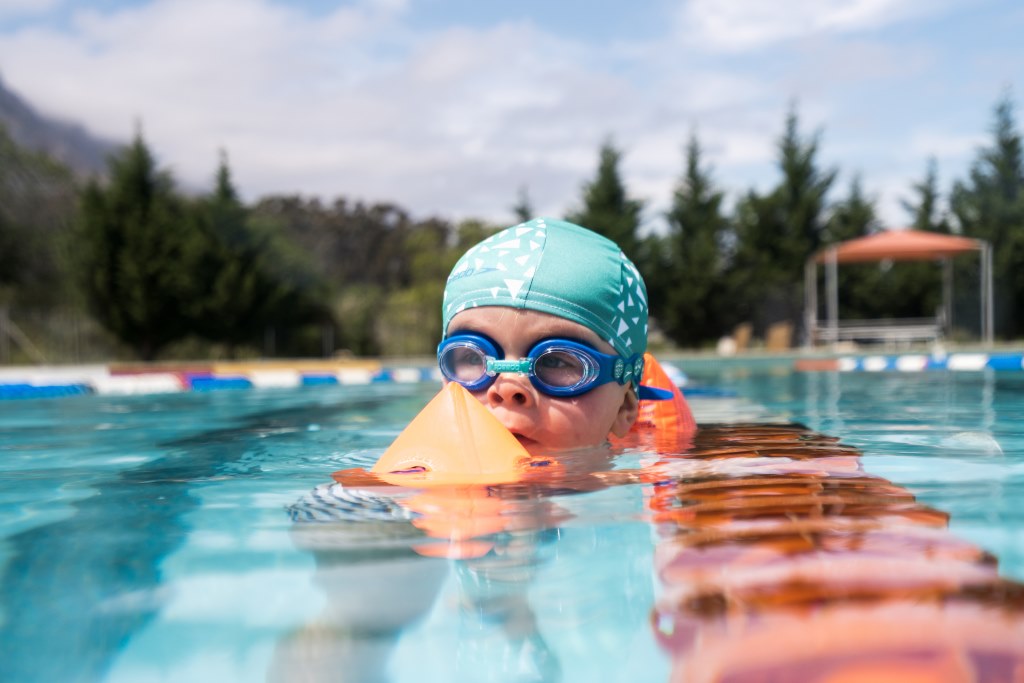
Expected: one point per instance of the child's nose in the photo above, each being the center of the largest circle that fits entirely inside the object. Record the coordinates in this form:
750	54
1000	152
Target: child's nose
511	388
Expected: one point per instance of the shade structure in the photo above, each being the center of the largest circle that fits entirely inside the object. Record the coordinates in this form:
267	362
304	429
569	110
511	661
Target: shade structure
900	245
895	245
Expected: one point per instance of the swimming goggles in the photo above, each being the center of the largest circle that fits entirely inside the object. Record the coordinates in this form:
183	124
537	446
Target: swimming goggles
556	367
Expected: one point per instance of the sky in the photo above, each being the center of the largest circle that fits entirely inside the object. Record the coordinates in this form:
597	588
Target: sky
450	108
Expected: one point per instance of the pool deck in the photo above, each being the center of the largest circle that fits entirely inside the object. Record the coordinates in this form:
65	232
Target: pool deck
47	381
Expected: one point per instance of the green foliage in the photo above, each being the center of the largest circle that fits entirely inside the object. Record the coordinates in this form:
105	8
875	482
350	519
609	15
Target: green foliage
37	202
607	208
357	310
410	322
852	217
380	264
859	284
347	243
369	255
990	205
914	289
252	279
136	246
468	233
887	290
683	268
777	232
158	270
925	211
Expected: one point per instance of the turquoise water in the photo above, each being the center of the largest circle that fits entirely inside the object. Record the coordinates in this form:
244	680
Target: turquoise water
155	538
955	439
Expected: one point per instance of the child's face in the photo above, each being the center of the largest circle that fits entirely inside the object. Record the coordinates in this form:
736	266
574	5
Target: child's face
541	422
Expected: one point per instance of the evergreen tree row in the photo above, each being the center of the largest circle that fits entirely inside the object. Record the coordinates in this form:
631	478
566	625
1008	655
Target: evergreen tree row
713	270
166	274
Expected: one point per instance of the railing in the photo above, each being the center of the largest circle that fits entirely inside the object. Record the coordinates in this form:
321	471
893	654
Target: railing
889	331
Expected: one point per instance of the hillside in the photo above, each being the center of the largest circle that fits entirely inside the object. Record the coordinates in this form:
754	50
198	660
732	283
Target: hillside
68	143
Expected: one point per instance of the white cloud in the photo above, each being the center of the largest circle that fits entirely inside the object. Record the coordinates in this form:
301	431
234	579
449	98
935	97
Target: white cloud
348	104
944	144
10	9
454	121
740	25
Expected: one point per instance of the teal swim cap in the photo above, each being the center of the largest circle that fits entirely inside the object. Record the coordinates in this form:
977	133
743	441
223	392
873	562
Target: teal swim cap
555	267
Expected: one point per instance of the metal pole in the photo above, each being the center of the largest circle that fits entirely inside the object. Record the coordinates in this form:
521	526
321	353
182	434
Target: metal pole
810	302
832	284
947	296
327	340
5	340
988	325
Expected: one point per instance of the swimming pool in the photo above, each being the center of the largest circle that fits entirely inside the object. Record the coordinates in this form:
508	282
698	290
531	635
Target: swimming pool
172	537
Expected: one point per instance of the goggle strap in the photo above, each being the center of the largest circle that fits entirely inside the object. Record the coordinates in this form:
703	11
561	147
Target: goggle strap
629	370
646	393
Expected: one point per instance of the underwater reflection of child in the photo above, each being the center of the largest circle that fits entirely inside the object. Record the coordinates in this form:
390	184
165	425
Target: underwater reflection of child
545	324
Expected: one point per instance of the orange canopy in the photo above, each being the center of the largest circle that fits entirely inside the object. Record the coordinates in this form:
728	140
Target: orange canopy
899	245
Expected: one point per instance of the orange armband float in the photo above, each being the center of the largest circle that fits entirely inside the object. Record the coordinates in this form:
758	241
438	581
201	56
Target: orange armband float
671	417
456	451
664	426
454	441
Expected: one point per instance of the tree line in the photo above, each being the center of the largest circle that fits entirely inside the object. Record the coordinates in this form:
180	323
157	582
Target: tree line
162	273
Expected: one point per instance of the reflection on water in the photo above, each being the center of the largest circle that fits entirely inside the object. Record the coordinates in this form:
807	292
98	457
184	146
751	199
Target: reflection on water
776	558
810	570
383	553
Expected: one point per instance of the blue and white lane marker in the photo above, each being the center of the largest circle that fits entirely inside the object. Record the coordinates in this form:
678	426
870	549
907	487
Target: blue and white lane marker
74	382
960	362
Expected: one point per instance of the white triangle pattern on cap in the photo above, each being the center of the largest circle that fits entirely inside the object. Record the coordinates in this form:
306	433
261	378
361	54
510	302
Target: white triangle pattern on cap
633	306
515	252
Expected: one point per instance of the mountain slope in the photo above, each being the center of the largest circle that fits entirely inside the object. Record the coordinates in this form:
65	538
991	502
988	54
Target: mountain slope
68	143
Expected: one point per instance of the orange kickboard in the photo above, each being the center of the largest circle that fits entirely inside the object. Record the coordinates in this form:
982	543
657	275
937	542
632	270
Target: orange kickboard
453	441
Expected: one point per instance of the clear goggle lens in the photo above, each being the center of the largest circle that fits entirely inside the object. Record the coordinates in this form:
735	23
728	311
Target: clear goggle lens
463	363
563	368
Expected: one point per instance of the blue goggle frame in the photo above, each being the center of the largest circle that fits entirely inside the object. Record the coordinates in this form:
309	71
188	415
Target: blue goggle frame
596	368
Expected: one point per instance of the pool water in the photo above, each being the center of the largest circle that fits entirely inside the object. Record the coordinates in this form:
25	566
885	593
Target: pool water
955	439
197	537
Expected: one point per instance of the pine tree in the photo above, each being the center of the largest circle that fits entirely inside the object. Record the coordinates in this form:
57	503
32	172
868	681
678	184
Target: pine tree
607	208
136	240
253	279
990	206
802	194
853	217
684	275
925	210
777	232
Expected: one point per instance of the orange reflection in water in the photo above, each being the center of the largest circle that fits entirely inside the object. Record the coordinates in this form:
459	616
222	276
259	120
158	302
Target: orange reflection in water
780	560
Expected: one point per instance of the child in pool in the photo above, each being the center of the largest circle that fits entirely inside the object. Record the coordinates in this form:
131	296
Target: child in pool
545	323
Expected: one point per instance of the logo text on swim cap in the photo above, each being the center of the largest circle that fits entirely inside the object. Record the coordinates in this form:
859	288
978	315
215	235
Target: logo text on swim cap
470	271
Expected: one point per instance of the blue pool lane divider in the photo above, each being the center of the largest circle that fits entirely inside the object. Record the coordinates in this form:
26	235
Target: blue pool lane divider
52	382
914	362
22	390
